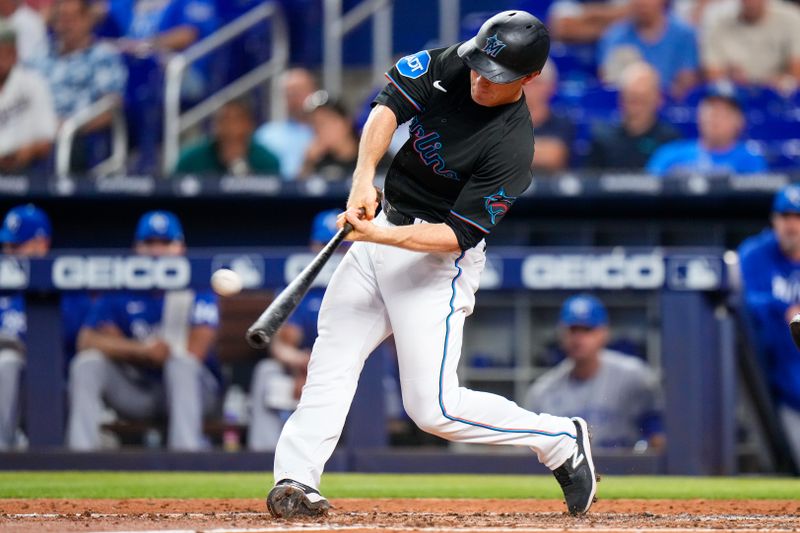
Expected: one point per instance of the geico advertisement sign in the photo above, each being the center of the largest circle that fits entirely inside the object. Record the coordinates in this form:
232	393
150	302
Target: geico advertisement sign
610	271
137	272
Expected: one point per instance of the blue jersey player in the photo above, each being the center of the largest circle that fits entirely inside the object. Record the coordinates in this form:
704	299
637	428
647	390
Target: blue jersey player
770	265
147	354
26	232
277	380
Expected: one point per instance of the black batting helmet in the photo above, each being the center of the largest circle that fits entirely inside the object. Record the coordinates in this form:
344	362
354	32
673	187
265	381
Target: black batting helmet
509	46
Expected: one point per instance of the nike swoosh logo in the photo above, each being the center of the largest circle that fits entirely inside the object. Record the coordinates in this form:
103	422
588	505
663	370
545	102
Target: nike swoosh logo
438	84
577	459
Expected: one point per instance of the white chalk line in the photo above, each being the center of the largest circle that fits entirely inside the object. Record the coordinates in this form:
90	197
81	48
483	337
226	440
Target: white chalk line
317	527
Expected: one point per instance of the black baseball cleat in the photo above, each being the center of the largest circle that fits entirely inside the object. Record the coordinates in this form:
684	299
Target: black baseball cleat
577	476
290	499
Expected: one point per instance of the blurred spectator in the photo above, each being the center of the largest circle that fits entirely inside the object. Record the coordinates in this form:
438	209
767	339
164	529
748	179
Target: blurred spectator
770	268
652	35
580	21
617	394
80	69
289	139
29	26
278	380
718	150
26	232
27	118
333	151
554	133
231	148
630	143
147	354
758	44
149	32
80	72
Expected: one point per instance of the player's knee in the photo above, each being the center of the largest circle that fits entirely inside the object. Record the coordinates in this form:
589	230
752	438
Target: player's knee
427	415
86	367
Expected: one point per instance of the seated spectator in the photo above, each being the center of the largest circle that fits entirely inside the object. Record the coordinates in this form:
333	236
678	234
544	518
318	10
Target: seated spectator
757	44
148	32
289	139
554	133
630	144
80	69
580	21
333	151
650	34
26	232
27	119
80	72
617	394
718	150
147	354
278	380
231	149
29	26
770	269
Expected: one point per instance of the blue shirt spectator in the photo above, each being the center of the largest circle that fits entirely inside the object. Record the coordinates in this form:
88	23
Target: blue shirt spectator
651	35
770	268
80	71
687	157
718	150
289	139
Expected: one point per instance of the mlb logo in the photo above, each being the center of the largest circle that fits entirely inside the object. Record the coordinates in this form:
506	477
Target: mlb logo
700	273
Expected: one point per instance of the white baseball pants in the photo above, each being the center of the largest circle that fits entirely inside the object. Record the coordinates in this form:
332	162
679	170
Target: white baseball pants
423	298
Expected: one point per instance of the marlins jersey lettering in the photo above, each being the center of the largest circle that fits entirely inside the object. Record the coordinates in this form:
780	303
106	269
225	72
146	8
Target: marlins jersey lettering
464	164
771	285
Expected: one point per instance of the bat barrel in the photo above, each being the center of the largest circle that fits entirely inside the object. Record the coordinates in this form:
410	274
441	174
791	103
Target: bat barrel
257	338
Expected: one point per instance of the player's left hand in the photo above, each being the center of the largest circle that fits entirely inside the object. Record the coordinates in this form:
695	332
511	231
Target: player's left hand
363	230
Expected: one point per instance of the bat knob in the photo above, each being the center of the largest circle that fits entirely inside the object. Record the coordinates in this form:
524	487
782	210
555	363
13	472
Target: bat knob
258	339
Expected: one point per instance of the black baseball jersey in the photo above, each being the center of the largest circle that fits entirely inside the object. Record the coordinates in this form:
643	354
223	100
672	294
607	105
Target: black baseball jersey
464	164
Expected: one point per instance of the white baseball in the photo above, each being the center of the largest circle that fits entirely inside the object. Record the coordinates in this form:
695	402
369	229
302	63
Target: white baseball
226	282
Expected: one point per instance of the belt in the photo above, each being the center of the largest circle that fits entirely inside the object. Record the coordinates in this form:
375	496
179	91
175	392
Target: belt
394	216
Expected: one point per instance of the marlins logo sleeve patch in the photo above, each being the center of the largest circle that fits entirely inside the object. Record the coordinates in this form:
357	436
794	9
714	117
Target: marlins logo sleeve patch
415	65
498	204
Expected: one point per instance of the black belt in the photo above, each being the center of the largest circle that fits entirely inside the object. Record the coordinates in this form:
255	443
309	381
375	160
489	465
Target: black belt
394	216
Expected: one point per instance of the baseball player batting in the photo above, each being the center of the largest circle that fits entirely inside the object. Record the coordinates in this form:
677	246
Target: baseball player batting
416	266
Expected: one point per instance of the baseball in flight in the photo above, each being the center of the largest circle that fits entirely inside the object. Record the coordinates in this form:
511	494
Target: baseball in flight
226	282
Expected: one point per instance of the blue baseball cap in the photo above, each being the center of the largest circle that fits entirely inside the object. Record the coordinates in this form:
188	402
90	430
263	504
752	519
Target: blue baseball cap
23	223
161	225
724	91
324	226
787	200
583	310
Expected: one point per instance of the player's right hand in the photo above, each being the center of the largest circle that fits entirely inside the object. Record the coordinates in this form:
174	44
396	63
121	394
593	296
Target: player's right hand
363	195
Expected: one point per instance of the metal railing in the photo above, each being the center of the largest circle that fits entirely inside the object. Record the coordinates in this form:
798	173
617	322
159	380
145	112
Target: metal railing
337	25
176	123
119	135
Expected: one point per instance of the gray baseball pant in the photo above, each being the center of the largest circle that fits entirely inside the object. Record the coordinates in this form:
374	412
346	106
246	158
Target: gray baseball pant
187	393
266	422
11	364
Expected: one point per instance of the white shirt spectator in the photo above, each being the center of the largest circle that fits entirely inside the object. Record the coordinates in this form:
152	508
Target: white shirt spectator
27	114
31	33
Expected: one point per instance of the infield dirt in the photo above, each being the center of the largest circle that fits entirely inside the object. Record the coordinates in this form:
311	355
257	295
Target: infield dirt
47	515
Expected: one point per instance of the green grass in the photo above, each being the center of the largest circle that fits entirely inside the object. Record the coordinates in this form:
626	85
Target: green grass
255	485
